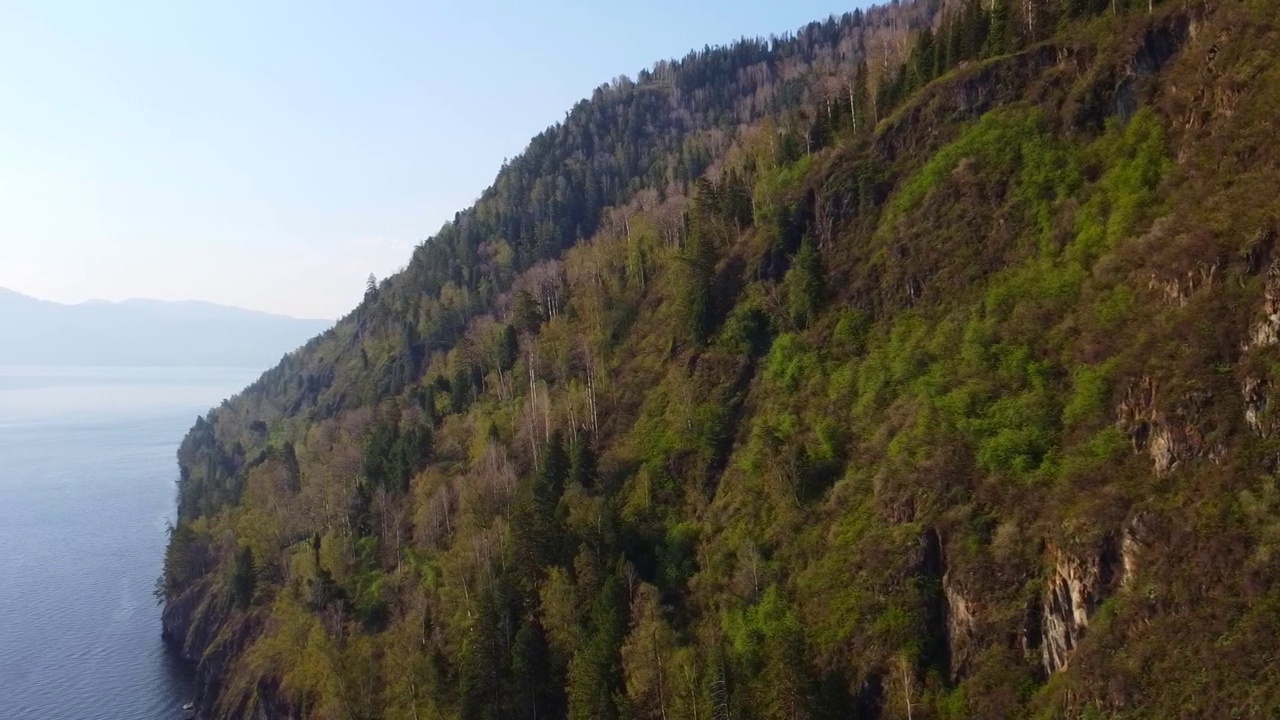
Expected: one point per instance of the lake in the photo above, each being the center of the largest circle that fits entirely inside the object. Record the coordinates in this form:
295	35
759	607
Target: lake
87	472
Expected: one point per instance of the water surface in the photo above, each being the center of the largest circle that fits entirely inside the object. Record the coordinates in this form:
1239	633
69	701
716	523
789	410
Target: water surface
87	471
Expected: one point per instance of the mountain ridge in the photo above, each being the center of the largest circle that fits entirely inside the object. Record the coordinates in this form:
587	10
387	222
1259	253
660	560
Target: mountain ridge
141	302
145	333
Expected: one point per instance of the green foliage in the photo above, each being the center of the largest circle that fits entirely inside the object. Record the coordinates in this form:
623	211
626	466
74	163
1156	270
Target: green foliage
531	661
553	472
508	348
185	560
1101	450
750	629
767	644
851	331
526	316
392	457
804	285
1012	144
695	305
746	331
595	673
582	463
775	188
1089	394
676	556
371	586
243	577
789	363
1135	158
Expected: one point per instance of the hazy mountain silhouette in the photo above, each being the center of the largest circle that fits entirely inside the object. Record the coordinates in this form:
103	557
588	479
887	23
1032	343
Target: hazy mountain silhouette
145	333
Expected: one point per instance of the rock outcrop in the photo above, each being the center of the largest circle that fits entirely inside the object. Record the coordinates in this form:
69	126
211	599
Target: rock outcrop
1131	544
203	629
1266	331
1257	398
1170	438
962	624
1076	587
952	612
1177	288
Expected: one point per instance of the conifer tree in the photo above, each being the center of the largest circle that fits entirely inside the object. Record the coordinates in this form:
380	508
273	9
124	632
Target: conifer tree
694	302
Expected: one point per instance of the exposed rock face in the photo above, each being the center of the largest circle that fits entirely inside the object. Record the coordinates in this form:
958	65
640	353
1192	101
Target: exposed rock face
961	625
1266	331
1076	588
1159	44
1169	438
191	624
932	570
1177	290
1053	626
1256	401
1133	537
1031	634
1260	251
198	625
1069	602
972	91
951	617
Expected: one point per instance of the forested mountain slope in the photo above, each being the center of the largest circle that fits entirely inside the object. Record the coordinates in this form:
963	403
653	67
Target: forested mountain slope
918	365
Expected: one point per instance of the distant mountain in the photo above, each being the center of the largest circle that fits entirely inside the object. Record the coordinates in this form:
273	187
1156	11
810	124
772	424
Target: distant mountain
145	333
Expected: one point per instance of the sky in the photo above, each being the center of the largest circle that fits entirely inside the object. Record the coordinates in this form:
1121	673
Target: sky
271	155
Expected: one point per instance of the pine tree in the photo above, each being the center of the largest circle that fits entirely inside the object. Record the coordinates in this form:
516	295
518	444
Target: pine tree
508	348
694	301
923	63
804	284
535	690
582	463
550	482
595	674
292	470
243	577
859	98
1001	38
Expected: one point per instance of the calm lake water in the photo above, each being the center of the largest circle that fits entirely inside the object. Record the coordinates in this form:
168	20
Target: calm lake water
87	471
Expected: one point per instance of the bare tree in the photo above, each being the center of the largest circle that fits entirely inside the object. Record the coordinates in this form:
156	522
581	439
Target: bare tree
547	284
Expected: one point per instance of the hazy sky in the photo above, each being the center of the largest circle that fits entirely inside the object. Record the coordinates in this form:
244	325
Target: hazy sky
272	154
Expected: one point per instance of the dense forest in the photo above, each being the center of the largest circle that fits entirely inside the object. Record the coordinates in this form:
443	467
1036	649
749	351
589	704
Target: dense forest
916	364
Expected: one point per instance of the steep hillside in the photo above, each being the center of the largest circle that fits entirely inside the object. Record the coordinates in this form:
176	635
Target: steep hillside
918	365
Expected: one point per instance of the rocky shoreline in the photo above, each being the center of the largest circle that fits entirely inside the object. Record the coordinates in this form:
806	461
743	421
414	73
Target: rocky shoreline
201	628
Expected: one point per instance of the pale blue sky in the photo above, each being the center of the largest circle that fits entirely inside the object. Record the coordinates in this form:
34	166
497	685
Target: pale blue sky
272	154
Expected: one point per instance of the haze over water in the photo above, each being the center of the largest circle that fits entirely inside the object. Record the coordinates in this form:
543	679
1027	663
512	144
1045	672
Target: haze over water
87	471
